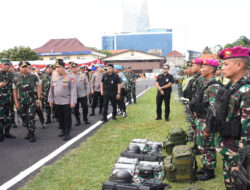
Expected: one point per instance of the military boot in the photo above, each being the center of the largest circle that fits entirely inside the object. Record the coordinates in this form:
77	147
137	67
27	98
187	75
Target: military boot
1	135
61	134
8	135
32	137
207	175
93	112
100	111
66	136
78	121
48	120
195	150
27	137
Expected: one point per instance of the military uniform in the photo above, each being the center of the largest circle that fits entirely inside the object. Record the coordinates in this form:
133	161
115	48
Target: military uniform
46	79
6	99
205	100
62	94
25	86
131	86
238	110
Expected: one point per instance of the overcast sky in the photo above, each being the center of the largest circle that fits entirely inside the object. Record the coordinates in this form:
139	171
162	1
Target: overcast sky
195	23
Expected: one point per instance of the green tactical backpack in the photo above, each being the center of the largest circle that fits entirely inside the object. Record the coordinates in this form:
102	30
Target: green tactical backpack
181	166
176	136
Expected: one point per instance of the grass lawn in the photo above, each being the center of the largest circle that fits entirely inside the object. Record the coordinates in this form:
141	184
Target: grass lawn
89	165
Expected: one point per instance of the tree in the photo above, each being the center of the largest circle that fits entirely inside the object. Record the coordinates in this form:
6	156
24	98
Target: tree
106	52
207	51
243	41
19	53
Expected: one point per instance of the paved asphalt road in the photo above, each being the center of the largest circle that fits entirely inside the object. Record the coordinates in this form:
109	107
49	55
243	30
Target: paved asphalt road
18	154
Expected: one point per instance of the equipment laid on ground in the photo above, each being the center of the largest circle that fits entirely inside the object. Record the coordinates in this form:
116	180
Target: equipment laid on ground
181	166
144	150
176	136
143	170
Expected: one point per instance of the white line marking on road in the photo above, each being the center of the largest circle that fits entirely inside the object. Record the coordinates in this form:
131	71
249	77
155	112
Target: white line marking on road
52	155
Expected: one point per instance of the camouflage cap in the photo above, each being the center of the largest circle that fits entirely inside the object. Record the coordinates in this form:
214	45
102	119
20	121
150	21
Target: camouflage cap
5	61
50	66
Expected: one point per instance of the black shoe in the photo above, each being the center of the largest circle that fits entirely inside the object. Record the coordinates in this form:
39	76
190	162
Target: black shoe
27	137
43	126
207	175
61	134
87	122
135	102
114	117
104	119
10	136
166	119
129	102
32	138
201	171
66	137
100	112
14	125
195	150
1	138
48	121
158	118
78	123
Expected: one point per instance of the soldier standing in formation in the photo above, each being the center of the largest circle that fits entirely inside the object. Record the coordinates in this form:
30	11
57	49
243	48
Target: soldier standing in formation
110	90
6	94
45	86
205	100
82	87
194	85
164	86
63	95
131	85
96	90
27	98
233	110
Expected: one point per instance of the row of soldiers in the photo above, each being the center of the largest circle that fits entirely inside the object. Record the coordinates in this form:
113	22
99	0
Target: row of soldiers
219	103
58	91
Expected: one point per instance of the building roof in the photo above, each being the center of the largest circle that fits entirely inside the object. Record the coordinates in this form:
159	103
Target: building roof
117	51
175	53
208	56
62	45
133	55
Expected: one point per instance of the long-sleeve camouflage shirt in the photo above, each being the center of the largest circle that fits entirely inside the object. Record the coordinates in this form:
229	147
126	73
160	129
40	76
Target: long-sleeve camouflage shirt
26	87
6	92
239	105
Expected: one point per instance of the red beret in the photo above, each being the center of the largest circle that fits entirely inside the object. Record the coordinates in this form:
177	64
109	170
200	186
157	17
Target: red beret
235	52
197	61
211	62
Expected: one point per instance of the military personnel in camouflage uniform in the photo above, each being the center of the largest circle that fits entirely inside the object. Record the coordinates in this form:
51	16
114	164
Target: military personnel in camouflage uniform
12	111
63	96
45	86
235	67
131	84
206	103
195	84
6	81
26	88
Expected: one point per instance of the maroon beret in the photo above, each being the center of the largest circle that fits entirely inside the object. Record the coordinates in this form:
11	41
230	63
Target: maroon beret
197	61
235	52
